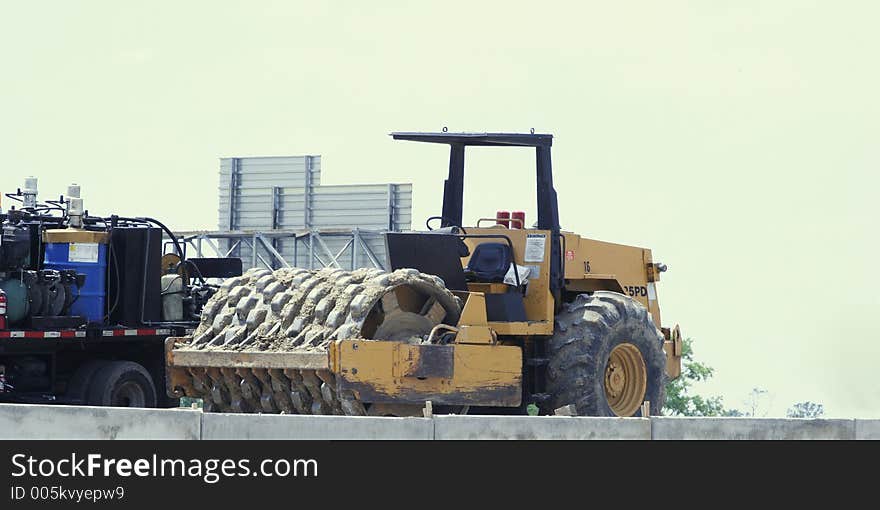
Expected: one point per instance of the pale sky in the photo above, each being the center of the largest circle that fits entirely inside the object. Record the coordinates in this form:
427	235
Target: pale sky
738	140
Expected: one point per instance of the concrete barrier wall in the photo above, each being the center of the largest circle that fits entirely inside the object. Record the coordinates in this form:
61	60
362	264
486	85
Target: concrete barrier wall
750	428
543	427
19	421
868	429
275	426
24	421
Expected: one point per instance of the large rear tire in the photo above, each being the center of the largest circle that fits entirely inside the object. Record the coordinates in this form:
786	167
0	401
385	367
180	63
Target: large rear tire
122	384
606	357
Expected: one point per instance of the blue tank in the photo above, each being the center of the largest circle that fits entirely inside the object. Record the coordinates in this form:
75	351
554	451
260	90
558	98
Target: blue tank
89	259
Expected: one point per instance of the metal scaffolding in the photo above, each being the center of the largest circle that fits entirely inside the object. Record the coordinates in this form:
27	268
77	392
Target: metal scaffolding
310	247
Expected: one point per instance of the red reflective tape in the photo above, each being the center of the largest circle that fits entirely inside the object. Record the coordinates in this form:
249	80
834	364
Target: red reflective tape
129	332
147	332
42	334
70	333
154	332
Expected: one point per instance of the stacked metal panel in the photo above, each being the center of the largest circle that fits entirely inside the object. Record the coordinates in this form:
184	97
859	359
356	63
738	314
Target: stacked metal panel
262	194
248	187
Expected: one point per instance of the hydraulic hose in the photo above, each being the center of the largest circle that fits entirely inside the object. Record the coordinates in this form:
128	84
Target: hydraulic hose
160	225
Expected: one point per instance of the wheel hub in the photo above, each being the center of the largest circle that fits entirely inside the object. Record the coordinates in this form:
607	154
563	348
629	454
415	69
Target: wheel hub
615	379
626	379
129	394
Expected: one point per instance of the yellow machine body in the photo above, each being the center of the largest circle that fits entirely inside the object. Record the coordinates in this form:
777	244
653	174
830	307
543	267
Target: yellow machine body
344	342
589	265
477	368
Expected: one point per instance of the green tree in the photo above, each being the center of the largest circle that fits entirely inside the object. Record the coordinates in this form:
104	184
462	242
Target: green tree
680	401
806	410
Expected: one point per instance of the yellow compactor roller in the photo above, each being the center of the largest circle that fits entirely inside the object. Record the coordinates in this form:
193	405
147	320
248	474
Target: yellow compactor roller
482	319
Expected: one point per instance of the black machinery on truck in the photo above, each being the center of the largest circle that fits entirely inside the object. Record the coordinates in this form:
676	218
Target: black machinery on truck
86	302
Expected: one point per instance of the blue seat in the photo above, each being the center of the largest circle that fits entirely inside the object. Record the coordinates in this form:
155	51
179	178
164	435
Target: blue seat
489	262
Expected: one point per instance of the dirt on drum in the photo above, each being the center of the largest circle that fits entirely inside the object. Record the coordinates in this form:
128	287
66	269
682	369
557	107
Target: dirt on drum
298	313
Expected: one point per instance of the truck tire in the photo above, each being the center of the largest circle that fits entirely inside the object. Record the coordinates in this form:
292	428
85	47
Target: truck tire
606	357
122	384
78	385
